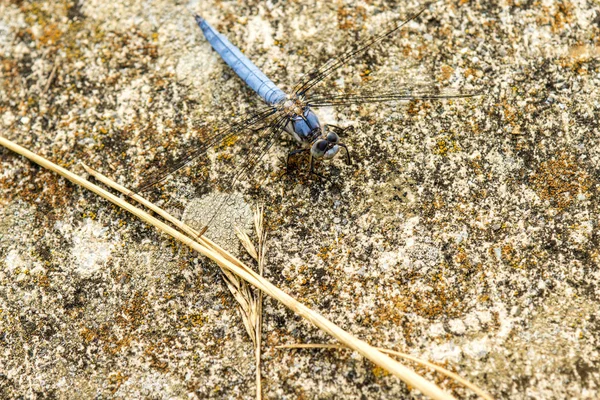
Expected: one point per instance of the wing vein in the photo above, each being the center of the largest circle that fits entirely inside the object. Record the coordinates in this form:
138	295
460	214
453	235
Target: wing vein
221	135
318	74
349	99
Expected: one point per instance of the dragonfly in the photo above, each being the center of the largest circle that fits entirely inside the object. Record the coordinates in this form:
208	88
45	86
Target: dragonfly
294	113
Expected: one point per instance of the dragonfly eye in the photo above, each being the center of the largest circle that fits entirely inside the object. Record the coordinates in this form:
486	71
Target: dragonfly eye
332	137
333	150
319	148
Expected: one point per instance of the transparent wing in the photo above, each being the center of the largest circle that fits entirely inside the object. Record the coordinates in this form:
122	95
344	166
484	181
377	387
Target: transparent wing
256	121
318	74
257	151
402	94
254	156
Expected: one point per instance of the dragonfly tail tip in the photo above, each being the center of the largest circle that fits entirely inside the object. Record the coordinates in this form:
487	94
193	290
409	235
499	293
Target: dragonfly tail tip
198	18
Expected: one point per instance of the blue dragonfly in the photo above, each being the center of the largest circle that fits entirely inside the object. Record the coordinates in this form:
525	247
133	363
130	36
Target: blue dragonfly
293	113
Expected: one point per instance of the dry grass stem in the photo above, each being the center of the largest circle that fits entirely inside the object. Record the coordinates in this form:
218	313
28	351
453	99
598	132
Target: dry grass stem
405	356
110	183
247	243
259	256
185	228
262	242
50	78
238	288
243	295
227	261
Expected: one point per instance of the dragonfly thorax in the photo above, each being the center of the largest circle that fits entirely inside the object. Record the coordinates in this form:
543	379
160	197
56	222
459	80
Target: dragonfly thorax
304	127
292	105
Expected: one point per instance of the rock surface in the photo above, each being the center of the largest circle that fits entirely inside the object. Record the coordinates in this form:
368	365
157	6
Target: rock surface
465	232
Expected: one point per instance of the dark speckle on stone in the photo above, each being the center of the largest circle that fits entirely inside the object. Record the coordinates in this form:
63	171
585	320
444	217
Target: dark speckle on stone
464	232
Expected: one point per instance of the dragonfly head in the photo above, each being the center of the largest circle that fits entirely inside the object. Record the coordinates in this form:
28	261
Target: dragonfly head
326	147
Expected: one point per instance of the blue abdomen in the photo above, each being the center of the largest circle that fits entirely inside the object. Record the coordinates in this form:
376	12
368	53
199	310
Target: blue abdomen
242	66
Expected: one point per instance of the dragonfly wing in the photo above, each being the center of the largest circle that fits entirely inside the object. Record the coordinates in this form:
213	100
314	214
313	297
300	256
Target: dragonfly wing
243	123
398	95
255	155
257	152
318	74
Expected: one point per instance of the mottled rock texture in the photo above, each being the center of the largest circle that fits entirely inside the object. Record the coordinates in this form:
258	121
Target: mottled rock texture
465	231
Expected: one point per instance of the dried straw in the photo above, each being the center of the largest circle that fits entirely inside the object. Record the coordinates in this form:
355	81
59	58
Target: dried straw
405	356
225	260
248	303
259	257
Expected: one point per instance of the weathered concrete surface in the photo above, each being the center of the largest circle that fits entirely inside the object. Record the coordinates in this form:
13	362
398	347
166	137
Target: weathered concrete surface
465	232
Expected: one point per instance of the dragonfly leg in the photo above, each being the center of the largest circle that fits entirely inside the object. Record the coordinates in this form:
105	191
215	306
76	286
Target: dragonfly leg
292	153
340	131
312	168
349	160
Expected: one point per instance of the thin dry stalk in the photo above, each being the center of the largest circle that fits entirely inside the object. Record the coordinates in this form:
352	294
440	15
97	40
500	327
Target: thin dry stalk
110	183
238	288
259	257
243	295
247	243
405	356
230	263
50	78
261	234
204	241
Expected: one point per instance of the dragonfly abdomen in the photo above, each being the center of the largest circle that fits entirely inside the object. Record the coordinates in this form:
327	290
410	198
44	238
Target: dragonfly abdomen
242	66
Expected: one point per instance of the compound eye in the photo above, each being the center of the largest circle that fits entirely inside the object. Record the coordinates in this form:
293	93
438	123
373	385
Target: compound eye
332	137
319	148
329	154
